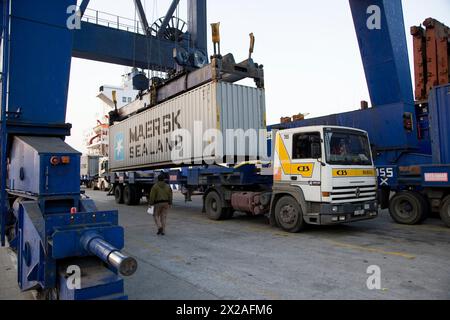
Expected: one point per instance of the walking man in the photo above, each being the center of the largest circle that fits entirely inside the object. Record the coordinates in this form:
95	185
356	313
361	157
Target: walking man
161	198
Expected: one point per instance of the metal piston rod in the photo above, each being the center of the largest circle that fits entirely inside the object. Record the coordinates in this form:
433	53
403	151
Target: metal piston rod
96	245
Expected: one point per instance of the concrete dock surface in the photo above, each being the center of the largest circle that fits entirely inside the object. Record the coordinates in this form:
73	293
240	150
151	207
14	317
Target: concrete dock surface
245	258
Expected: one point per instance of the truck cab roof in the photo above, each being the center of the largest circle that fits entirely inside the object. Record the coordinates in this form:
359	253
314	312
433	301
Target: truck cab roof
318	128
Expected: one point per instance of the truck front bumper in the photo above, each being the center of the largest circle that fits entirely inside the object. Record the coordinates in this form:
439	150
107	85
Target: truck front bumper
330	214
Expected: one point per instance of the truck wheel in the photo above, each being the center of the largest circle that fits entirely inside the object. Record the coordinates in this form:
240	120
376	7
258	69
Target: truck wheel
426	207
214	206
408	208
289	215
445	211
129	195
118	194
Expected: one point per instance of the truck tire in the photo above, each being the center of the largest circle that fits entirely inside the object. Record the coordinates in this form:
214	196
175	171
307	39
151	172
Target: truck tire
426	207
118	194
214	207
408	207
265	199
445	211
289	215
130	195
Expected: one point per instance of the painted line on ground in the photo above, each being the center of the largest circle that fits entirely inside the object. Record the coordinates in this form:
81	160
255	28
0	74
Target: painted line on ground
371	250
424	228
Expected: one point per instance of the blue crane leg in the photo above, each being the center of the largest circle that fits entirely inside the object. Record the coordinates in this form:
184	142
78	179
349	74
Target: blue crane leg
384	51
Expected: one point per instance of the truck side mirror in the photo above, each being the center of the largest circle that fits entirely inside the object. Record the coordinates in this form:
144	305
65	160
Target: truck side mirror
316	150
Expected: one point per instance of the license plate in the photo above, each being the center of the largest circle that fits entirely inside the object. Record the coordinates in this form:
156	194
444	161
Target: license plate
360	212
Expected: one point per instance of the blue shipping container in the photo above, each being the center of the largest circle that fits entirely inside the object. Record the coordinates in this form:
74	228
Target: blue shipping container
439	105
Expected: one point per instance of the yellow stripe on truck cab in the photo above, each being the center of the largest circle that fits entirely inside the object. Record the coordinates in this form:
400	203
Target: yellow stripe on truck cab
299	169
343	173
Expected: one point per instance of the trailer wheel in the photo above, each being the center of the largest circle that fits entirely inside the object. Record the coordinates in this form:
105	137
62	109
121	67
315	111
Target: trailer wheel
445	211
289	215
130	196
214	206
408	208
118	194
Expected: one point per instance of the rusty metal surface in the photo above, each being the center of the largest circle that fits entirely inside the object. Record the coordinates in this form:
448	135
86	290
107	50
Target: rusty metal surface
431	56
441	38
420	62
247	202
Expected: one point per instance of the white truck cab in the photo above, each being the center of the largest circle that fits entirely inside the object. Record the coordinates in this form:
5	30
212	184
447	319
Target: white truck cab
322	175
103	183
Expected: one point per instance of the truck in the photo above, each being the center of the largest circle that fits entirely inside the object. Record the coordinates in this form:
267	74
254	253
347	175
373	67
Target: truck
94	172
316	175
215	131
102	181
410	137
89	169
320	175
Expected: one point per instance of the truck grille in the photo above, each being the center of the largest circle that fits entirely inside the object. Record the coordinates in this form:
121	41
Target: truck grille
353	194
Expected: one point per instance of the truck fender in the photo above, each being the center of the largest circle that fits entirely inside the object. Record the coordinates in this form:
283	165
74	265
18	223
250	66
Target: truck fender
280	190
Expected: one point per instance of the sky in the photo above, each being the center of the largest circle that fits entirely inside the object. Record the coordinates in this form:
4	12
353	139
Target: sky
308	48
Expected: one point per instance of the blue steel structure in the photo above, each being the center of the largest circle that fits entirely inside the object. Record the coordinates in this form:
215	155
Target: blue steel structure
100	43
45	219
410	142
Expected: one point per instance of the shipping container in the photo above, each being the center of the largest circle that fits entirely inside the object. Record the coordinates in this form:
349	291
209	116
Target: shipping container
147	140
89	166
440	124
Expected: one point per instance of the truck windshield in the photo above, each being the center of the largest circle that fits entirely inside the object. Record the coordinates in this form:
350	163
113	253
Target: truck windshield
346	147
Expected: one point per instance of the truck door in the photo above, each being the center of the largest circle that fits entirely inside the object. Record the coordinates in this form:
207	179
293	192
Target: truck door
300	155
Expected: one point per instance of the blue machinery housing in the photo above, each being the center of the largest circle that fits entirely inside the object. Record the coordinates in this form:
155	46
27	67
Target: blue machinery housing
53	229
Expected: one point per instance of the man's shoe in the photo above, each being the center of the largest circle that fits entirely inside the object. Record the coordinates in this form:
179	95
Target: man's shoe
160	231
163	233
